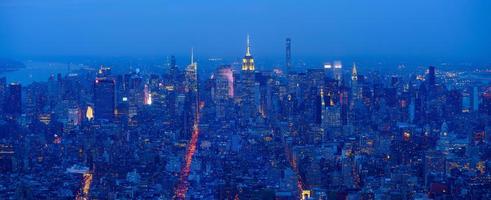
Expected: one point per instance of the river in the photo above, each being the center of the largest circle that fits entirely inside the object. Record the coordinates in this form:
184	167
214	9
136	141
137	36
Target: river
38	72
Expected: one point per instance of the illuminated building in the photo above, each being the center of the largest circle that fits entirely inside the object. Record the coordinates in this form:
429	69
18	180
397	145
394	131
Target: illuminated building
485	106
331	112
338	71
305	194
7	153
74	116
191	84
264	80
191	96
329	70
248	60
444	140
356	87
247	85
89	113
223	89
136	96
44	118
354	73
147	95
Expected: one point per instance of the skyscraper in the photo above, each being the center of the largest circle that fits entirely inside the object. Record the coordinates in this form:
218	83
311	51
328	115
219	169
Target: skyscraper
356	88
191	96
354	73
173	70
338	70
288	61
330	112
485	106
431	76
13	101
247	84
191	75
104	98
3	93
248	61
223	89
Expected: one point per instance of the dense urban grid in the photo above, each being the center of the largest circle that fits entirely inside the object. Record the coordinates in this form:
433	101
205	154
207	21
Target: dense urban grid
329	132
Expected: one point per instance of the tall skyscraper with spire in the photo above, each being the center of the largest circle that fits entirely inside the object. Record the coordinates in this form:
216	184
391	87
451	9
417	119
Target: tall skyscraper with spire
354	73
356	88
248	60
247	85
191	104
191	75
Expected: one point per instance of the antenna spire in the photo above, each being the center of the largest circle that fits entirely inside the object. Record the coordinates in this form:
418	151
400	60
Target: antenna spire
248	52
192	55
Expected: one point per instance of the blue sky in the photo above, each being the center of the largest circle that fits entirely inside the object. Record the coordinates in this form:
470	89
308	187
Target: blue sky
457	29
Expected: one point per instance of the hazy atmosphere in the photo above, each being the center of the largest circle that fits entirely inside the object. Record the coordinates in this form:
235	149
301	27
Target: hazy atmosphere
456	30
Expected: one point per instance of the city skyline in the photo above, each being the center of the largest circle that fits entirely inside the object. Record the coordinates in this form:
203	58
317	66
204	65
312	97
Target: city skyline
259	100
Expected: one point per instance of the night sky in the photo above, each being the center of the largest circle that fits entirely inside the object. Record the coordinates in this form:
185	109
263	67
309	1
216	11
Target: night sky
457	29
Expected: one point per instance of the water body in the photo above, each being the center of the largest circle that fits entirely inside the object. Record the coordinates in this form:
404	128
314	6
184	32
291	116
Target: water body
37	72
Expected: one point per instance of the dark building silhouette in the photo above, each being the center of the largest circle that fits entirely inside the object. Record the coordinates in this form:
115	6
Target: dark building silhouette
431	76
104	99
485	106
173	70
3	92
13	100
288	62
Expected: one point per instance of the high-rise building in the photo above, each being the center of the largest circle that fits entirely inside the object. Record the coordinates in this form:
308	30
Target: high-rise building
104	98
354	73
475	99
264	97
191	95
3	93
288	56
248	61
485	106
223	89
356	88
431	76
135	93
338	70
453	104
191	84
13	101
173	70
247	85
331	113
328	69
7	154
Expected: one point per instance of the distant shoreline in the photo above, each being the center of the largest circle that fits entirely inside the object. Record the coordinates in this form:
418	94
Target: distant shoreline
9	65
35	71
